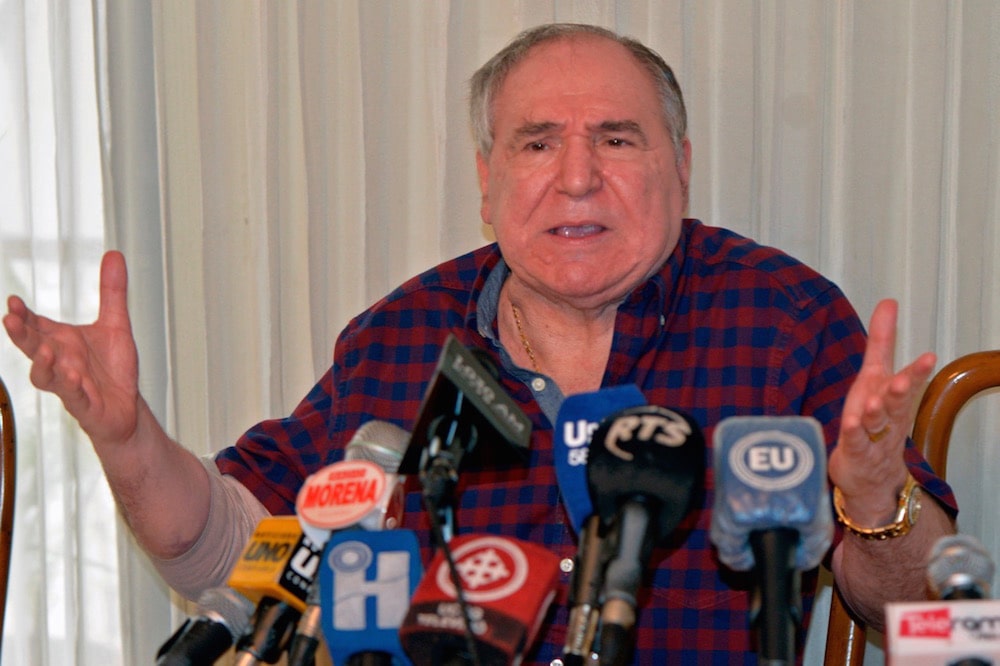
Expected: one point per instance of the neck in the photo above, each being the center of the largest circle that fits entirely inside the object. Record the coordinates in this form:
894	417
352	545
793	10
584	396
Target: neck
564	344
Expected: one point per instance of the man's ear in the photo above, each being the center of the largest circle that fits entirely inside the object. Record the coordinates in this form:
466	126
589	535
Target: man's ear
483	169
684	169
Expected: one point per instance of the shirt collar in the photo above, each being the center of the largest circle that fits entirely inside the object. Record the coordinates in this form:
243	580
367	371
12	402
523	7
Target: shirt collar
488	303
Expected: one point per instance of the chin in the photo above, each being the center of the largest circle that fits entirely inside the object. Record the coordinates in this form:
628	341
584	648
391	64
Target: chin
588	293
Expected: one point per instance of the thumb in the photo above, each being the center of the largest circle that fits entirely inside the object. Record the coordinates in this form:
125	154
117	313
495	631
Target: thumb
114	290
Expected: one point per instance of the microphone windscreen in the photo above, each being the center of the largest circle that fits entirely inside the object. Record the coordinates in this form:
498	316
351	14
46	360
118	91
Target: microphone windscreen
770	472
579	416
379	442
646	452
227	607
960	565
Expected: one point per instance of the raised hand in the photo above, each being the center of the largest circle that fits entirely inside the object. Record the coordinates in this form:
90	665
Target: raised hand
878	414
93	368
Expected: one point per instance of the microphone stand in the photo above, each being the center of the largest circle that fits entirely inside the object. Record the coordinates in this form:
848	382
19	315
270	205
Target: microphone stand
439	478
778	600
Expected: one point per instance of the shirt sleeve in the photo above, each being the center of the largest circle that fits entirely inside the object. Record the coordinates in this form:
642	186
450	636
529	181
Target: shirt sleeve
273	458
232	517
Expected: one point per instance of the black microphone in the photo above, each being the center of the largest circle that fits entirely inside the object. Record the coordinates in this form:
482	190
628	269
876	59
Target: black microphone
772	514
959	568
462	383
644	466
462	405
272	628
222	617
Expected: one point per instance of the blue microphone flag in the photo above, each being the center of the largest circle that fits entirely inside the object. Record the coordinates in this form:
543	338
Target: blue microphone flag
366	581
578	418
770	472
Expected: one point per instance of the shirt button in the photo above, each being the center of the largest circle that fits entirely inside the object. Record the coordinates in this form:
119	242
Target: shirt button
556	662
566	565
538	384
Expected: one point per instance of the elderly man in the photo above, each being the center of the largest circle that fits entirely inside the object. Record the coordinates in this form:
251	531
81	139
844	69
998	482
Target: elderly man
596	280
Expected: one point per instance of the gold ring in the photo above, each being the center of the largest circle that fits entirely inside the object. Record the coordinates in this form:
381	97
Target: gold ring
876	436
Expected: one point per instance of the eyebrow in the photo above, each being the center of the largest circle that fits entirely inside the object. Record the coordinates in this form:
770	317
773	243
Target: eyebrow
530	129
627	126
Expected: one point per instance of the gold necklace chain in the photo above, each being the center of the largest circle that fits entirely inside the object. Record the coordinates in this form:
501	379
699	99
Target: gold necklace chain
524	338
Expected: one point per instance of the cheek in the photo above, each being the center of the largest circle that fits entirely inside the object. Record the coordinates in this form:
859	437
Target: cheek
660	191
514	191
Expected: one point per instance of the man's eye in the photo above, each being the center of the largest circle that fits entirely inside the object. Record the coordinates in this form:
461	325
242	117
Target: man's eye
537	146
617	142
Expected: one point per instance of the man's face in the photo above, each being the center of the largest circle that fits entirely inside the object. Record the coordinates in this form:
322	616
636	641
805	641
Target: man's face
582	187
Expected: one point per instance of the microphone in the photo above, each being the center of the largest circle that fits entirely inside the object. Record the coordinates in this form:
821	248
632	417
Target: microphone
463	387
960	568
361	491
645	465
508	585
579	416
463	402
275	569
366	580
959	626
772	514
223	616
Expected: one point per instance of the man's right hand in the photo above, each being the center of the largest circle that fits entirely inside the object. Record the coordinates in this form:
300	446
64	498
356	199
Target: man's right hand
93	368
161	488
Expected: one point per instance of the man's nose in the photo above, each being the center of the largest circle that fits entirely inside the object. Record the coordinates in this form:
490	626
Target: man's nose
579	167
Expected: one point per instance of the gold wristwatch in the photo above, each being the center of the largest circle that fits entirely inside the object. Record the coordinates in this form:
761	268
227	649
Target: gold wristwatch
907	510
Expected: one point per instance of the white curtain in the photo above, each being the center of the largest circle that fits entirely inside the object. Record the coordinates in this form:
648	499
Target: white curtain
272	168
63	604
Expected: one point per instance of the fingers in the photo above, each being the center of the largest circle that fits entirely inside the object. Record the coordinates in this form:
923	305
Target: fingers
114	291
881	349
880	406
894	399
21	325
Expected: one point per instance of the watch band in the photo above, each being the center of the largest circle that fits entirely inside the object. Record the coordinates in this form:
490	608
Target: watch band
907	510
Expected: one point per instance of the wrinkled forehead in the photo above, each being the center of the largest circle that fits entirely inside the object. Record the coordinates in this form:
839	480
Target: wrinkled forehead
576	76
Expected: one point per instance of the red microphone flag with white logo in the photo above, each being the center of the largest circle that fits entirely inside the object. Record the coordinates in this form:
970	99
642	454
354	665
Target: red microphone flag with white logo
508	585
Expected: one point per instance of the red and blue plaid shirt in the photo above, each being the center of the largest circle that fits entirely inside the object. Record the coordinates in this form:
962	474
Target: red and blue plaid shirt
727	327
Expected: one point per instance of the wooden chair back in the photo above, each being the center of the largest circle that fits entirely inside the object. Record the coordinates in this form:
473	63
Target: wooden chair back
8	461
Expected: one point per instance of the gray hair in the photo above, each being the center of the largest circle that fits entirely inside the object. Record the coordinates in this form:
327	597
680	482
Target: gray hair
488	79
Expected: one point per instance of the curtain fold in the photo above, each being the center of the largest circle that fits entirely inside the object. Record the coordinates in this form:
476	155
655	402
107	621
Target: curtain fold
133	224
63	599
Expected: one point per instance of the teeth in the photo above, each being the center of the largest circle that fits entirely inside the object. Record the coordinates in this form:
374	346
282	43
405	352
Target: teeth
577	232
